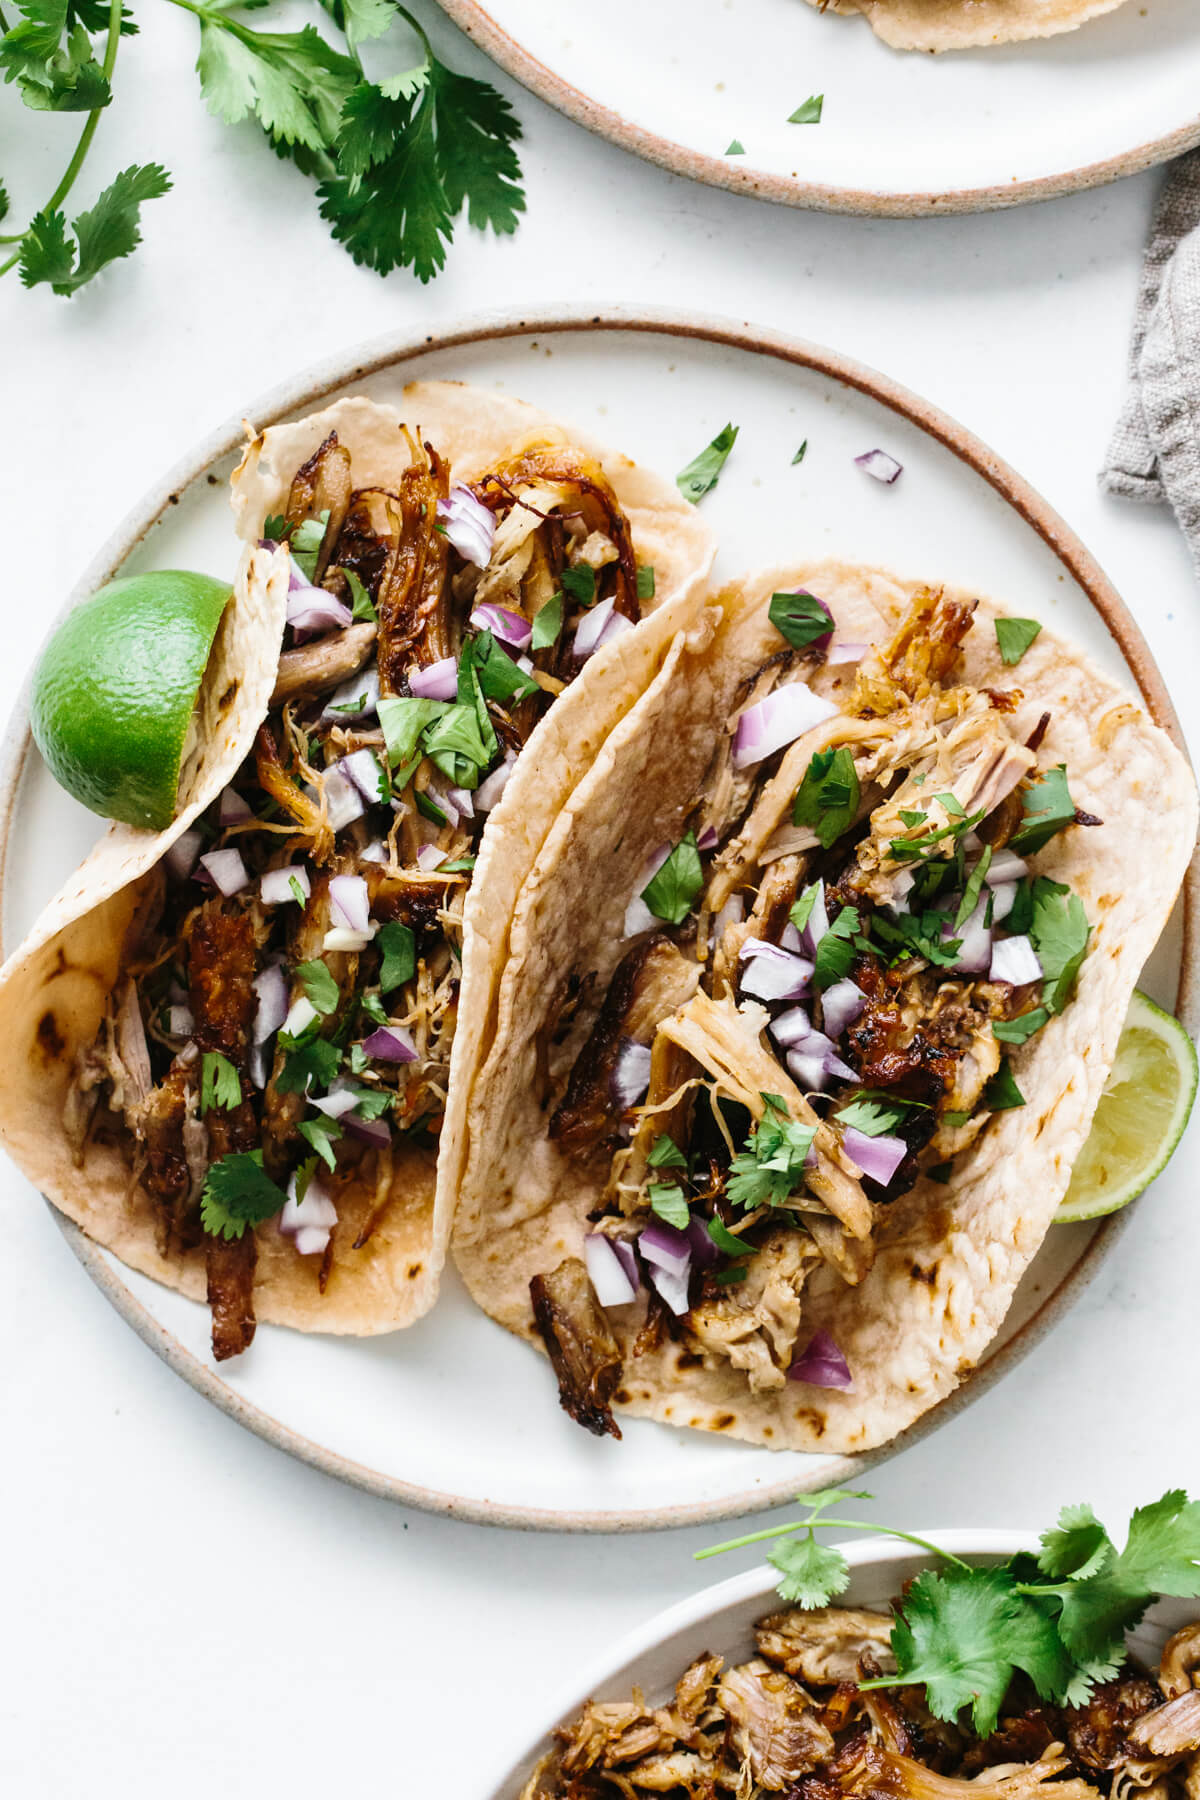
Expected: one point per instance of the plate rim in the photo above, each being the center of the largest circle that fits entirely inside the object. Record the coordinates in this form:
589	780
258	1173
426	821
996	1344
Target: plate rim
306	389
475	21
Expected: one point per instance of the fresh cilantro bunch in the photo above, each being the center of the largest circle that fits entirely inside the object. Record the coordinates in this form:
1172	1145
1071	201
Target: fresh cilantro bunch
396	161
771	1167
961	1632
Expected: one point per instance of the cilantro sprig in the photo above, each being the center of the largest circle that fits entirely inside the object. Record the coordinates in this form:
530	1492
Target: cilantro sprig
396	161
962	1632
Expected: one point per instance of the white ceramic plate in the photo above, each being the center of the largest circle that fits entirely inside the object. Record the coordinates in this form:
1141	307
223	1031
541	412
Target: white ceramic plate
720	1620
902	132
454	1414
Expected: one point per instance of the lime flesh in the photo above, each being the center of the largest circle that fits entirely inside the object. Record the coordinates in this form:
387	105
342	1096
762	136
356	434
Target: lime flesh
1141	1116
114	692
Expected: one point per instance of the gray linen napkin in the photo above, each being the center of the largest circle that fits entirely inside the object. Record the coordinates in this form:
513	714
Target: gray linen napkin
1155	450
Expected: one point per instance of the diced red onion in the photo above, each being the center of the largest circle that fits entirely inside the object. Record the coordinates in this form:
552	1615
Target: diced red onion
732	913
665	1247
308	1222
271	991
638	917
1006	866
975	938
180	1022
430	857
1004	898
822	1364
349	902
879	464
841	1005
300	1016
181	857
375	852
591	628
370	1131
627	1257
818	921
462	802
838	1069
1015	959
336	1102
779	719
672	1287
617	625
232	809
790	939
340	937
436	681
468	525
508	627
630	1075
808	1068
311	612
258	1063
275	888
877	1157
606	1271
525	664
227	870
344	799
356	699
487	794
707	839
791	1027
441	799
363	768
771	973
390	1043
846	652
902	885
704	1251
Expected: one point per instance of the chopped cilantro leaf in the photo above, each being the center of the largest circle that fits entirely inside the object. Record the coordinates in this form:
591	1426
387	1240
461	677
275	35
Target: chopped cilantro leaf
373	1007
1002	1093
455	744
955	1119
298	894
427	808
873	1118
399	948
276	528
319	985
725	1239
499	676
800	454
306	541
911	818
321	1134
461	865
645	581
548	624
973	889
827	799
771	1167
801	912
666	1154
1059	932
704	471
671	891
313	1063
801	618
1022	1028
403	719
362	607
580	582
1048	807
736	148
219	1083
237	1193
836	952
669	1203
1014	637
952	805
809	111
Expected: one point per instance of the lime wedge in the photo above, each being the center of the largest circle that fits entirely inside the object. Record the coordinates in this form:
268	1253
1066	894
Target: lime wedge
114	692
1140	1119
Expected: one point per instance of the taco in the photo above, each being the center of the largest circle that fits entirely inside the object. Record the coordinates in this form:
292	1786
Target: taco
968	24
809	1003
230	1043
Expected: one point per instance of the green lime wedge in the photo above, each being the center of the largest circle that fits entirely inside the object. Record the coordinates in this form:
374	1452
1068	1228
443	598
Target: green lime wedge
1141	1116
114	692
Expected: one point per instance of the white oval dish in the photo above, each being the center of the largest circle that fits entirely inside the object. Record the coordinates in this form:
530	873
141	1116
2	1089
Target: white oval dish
720	1620
455	1415
902	134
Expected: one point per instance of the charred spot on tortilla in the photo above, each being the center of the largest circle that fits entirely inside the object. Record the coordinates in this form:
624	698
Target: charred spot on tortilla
50	1039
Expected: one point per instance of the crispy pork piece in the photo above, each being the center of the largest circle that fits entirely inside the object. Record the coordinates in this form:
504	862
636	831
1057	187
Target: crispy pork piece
773	1728
323	664
826	1644
583	1350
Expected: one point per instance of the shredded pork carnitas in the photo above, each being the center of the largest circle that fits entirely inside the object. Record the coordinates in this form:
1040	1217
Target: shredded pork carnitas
865	934
792	1721
287	1010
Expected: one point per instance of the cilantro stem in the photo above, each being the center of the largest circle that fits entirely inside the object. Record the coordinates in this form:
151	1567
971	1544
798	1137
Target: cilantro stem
112	44
775	1531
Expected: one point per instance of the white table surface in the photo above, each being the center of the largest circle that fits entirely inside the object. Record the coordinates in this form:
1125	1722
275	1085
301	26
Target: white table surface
186	1611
